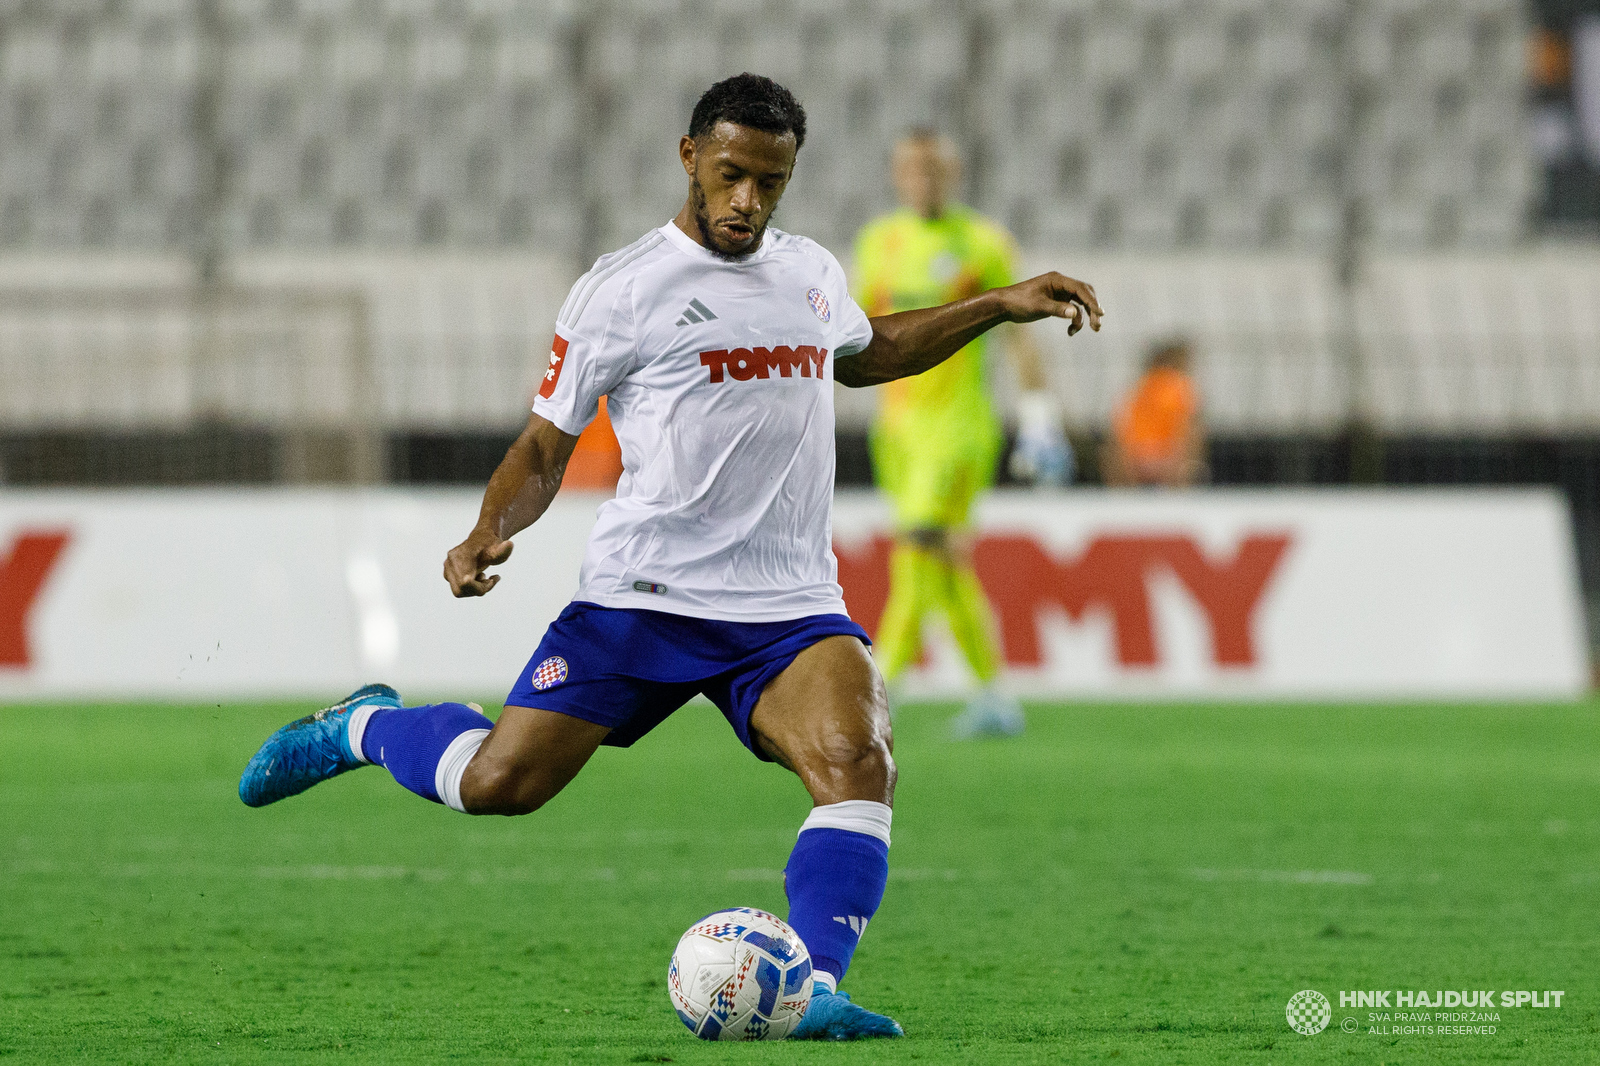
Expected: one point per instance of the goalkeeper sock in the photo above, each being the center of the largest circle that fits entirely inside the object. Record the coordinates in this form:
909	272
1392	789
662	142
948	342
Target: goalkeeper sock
427	749
898	641
835	880
971	621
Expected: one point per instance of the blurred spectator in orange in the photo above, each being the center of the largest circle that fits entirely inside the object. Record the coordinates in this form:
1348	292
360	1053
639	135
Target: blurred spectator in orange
1157	438
596	461
1549	60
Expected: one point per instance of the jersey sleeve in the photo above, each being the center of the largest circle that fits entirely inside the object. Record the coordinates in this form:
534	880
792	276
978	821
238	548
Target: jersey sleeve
593	350
852	331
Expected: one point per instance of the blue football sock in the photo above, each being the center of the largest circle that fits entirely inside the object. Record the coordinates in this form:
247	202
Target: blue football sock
426	748
835	880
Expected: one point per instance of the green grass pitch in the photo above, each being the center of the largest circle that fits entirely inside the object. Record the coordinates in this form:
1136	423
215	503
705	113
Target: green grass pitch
1123	884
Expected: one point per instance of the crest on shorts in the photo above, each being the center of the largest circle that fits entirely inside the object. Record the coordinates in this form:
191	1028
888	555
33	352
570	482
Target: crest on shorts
550	673
819	304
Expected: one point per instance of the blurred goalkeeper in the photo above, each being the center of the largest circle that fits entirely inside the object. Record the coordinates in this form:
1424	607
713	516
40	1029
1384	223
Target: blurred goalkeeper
937	437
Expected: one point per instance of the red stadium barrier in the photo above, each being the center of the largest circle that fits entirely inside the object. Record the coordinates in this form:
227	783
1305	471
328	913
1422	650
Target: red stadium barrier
1317	594
22	575
1022	577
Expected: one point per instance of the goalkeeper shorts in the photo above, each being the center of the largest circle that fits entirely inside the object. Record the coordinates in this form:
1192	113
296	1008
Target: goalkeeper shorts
933	483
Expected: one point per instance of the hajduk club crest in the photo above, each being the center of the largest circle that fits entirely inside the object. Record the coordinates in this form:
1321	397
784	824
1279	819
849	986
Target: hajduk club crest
550	673
819	304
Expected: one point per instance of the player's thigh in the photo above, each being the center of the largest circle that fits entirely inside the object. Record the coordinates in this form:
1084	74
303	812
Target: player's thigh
529	756
827	719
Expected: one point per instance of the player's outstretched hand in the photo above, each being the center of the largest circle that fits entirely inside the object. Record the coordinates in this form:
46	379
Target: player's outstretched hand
1054	296
465	565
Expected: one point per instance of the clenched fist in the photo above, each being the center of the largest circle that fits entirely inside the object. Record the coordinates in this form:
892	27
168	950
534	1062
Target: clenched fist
465	565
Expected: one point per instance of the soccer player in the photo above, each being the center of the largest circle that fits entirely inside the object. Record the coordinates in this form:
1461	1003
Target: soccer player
937	436
717	339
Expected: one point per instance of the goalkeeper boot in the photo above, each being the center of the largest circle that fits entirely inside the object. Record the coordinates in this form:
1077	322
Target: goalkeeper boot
831	1016
311	749
988	714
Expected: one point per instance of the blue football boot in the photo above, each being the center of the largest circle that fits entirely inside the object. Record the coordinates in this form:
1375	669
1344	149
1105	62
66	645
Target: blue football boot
311	749
832	1016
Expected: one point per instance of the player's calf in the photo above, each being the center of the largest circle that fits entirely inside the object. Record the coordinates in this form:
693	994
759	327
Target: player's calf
826	718
451	754
835	879
427	749
529	757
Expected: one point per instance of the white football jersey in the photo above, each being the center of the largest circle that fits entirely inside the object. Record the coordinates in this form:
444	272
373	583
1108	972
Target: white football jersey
719	378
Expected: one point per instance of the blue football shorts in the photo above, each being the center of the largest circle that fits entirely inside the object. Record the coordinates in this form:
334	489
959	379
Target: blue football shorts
629	669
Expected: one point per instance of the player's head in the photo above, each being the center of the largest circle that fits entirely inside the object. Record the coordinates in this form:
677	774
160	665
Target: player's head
739	154
1172	354
927	169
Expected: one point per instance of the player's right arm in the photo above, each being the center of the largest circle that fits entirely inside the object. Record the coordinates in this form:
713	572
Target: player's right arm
519	492
592	351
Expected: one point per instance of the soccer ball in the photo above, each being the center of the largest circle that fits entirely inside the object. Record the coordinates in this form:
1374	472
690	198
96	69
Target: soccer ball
740	974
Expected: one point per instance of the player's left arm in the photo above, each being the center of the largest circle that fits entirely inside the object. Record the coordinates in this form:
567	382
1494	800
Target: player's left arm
520	491
911	342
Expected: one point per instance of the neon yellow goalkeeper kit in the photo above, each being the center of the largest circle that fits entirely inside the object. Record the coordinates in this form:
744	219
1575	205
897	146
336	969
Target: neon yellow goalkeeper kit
937	437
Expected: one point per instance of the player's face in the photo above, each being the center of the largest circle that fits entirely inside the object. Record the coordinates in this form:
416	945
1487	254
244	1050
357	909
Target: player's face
925	174
736	178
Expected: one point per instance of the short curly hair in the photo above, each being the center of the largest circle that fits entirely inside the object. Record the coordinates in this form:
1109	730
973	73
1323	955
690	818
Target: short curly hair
752	101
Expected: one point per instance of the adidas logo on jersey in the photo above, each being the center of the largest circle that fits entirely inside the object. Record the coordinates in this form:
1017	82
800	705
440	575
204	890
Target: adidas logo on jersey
696	312
858	925
742	364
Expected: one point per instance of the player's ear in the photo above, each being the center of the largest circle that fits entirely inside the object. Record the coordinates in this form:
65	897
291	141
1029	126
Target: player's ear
686	153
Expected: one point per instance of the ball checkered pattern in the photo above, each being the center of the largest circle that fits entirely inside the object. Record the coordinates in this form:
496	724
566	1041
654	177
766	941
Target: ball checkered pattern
819	304
551	672
740	974
1309	1012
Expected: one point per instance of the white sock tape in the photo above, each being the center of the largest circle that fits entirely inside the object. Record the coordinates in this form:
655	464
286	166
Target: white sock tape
453	766
854	816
